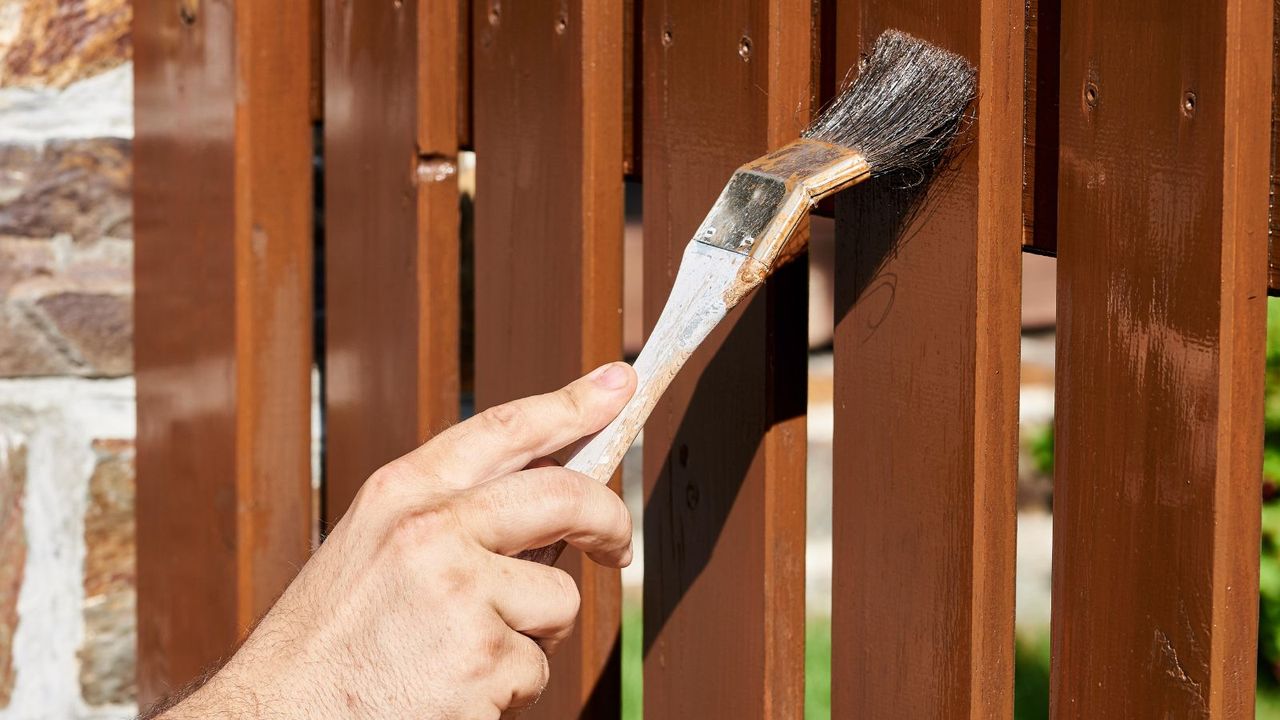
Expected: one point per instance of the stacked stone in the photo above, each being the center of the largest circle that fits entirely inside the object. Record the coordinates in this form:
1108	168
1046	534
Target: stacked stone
66	396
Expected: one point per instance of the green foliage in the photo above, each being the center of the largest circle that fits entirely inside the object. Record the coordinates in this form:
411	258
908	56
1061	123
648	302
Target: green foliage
1040	447
1031	677
817	668
1269	567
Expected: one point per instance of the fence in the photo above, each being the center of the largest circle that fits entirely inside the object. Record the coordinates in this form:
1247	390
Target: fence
1131	137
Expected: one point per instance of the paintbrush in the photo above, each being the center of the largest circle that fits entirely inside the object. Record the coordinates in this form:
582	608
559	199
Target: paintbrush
899	115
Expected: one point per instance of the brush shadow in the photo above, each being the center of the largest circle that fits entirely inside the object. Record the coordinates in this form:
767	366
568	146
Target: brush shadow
887	212
717	440
708	462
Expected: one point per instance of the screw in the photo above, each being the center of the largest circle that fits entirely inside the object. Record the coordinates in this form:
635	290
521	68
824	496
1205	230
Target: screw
1091	94
187	12
744	48
562	24
433	168
666	37
1189	104
495	12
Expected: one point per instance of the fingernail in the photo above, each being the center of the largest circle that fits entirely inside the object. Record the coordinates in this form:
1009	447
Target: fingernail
610	377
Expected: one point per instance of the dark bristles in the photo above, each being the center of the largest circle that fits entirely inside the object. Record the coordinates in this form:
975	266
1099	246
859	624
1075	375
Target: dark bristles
903	109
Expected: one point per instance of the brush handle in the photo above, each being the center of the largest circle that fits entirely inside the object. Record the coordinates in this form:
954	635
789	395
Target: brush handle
709	283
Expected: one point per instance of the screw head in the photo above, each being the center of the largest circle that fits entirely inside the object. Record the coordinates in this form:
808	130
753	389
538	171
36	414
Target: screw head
1189	103
1091	94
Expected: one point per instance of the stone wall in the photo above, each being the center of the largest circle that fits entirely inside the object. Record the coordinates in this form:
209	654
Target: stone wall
66	398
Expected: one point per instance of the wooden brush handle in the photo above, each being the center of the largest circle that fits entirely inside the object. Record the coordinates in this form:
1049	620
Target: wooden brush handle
710	282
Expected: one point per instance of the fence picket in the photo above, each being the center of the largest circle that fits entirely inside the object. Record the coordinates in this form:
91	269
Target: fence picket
724	81
391	234
1162	275
547	123
223	253
926	372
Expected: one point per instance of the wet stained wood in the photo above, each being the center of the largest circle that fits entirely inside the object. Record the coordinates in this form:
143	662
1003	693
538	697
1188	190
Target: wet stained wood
926	396
548	132
223	325
391	234
724	452
1161	335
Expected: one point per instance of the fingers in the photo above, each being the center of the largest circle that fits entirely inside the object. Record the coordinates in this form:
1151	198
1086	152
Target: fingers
535	600
538	507
505	438
524	676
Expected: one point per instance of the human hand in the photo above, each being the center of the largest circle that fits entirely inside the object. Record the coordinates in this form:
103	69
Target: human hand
414	605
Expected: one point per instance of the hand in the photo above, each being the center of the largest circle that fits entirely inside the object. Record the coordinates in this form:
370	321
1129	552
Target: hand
414	605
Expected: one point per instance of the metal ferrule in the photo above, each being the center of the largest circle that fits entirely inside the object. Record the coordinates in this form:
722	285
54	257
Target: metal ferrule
766	199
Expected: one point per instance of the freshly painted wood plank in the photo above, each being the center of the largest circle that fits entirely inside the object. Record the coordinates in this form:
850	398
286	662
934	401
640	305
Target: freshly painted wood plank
391	234
1161	335
724	81
548	130
926	396
223	262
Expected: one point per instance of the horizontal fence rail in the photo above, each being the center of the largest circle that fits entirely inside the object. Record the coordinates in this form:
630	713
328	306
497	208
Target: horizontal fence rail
315	223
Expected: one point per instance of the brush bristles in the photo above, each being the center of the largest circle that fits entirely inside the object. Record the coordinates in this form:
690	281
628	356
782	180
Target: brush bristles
903	109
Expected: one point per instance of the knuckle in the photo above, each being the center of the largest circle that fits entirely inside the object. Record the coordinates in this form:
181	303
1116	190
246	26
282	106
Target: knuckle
509	419
419	527
566	491
490	645
623	522
383	484
574	403
570	599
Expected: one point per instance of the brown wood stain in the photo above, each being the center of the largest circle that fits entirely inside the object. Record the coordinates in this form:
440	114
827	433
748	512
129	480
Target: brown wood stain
391	235
926	373
547	127
1161	329
222	178
724	81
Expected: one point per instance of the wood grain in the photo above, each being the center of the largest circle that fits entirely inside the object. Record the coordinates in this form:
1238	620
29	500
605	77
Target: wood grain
1161	336
724	81
222	183
926	397
391	234
547	126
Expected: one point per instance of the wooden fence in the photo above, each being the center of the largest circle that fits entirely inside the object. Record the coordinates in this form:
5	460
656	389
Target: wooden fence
1132	138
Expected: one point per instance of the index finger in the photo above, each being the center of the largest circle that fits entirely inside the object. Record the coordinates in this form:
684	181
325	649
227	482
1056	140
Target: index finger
505	438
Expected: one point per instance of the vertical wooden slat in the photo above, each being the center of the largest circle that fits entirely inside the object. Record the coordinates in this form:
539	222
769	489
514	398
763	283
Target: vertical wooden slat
547	127
391	234
1273	249
222	182
1040	152
724	452
464	72
631	102
926	353
1161	311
